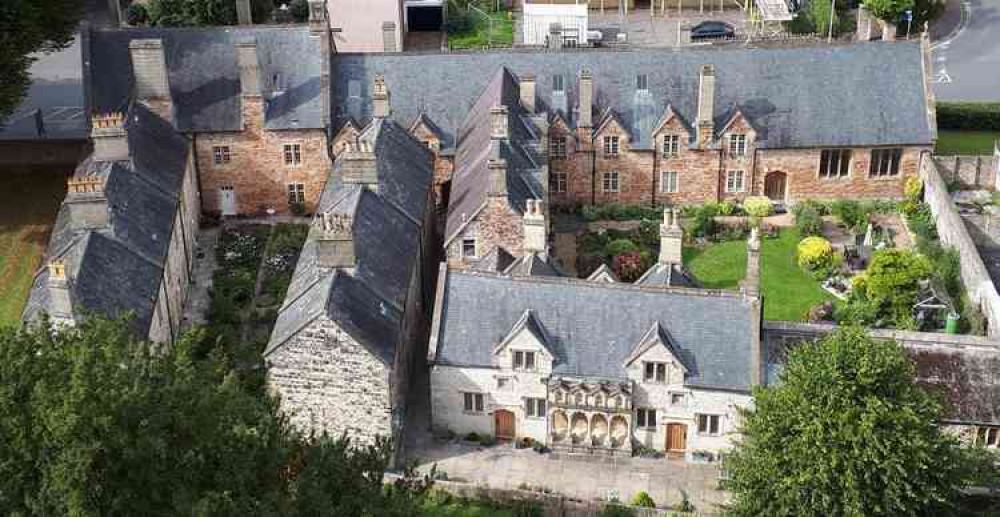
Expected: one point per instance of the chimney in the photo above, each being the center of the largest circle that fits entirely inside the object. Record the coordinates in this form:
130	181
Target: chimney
359	167
499	126
244	15
555	40
498	177
149	71
60	297
536	238
586	118
527	89
389	37
751	286
706	106
335	245
671	238
249	68
110	138
380	98
87	204
317	17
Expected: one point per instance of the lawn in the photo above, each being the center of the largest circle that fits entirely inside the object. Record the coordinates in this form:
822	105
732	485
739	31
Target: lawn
965	142
29	202
469	28
788	291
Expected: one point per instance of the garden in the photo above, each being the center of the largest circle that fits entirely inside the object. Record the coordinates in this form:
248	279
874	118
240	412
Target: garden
255	266
479	24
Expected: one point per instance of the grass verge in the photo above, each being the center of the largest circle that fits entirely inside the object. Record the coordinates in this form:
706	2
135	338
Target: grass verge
965	142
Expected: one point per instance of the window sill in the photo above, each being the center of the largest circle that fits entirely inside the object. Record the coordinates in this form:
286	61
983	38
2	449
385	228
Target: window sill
474	413
835	178
886	178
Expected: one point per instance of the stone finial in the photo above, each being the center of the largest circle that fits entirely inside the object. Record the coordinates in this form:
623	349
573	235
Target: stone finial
60	305
499	124
335	246
381	100
336	226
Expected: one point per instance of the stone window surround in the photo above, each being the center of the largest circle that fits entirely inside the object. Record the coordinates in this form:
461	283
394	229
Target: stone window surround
469	247
671	146
612	146
524	365
705	423
535	408
611	181
642	82
291	153
737	144
645	418
839	154
733	186
654	372
473	402
296	193
558	181
669	187
878	157
221	155
677	398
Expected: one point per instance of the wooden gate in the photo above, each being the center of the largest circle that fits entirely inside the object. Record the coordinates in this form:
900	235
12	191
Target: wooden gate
676	437
504	424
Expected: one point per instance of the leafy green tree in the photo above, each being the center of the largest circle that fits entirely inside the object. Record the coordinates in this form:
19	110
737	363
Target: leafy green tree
28	27
889	10
846	432
201	13
892	281
820	12
95	422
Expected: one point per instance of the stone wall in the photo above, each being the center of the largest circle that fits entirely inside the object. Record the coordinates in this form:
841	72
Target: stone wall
952	232
984	228
329	382
970	171
257	170
498	224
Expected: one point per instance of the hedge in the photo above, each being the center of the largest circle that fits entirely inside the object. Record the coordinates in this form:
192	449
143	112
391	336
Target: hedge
972	116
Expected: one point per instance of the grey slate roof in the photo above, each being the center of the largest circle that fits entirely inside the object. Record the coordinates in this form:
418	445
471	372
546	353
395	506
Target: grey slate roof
531	264
795	97
368	300
204	80
674	275
594	326
120	268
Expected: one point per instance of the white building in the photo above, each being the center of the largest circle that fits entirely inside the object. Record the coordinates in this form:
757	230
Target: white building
540	17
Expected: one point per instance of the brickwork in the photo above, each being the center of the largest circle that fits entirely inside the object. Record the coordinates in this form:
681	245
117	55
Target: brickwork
496	225
257	170
329	382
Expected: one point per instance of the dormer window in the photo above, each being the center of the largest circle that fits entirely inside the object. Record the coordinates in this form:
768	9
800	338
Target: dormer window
655	372
611	146
469	247
524	361
738	145
671	146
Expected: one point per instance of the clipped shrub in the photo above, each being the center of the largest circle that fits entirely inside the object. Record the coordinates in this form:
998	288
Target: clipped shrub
808	220
643	500
703	223
136	15
619	247
472	437
815	253
976	116
758	206
615	510
727	208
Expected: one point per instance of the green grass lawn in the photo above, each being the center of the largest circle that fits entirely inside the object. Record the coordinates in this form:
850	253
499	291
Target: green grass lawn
965	142
478	34
788	291
29	201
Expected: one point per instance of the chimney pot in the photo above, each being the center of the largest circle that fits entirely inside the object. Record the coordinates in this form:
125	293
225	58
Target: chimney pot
60	300
389	37
555	40
499	125
86	202
110	138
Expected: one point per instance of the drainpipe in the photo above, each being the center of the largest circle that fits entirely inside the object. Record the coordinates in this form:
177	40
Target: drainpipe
593	171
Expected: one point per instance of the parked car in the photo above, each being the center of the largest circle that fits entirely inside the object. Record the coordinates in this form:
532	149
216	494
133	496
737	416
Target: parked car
712	30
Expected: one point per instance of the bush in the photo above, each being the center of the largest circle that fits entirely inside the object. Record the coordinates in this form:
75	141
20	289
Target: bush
758	206
853	214
472	437
892	283
630	266
972	116
620	212
815	253
703	223
913	190
808	220
619	247
136	15
615	510
299	9
643	500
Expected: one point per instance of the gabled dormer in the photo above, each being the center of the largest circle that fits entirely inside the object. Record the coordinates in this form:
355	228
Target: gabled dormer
603	274
562	140
526	348
346	137
656	359
672	134
425	130
611	136
738	135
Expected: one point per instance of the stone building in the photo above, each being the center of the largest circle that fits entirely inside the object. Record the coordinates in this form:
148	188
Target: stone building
253	100
593	365
652	127
355	320
124	239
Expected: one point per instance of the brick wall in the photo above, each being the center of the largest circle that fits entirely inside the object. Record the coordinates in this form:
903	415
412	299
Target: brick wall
257	170
496	225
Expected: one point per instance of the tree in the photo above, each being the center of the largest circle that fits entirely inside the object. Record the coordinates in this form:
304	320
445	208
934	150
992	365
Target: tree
846	432
95	422
28	27
892	281
820	12
888	10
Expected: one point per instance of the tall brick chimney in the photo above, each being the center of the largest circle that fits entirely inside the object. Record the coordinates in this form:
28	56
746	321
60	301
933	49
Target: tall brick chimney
751	286
381	99
498	178
60	296
358	166
671	238
527	90
536	236
499	123
149	71
87	203
706	106
335	245
109	137
317	17
244	15
586	117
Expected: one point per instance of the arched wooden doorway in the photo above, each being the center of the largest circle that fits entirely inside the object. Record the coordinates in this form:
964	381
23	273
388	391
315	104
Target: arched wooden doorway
775	186
504	421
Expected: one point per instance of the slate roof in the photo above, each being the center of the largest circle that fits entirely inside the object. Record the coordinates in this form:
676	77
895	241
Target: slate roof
594	326
471	180
675	275
367	300
795	97
204	79
965	379
532	264
119	268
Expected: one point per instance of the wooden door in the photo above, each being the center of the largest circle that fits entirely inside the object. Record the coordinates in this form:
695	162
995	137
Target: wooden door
227	201
676	437
774	186
504	424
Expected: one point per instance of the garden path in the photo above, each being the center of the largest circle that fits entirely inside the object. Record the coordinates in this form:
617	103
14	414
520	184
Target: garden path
199	299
